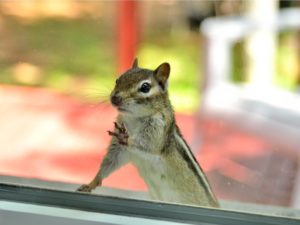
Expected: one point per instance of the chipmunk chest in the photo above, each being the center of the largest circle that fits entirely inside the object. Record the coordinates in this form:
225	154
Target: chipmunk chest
134	126
137	127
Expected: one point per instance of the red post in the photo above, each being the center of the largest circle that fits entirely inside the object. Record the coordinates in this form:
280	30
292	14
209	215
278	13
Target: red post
127	33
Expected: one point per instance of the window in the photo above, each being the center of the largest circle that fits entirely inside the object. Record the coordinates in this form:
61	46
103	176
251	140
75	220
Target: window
58	66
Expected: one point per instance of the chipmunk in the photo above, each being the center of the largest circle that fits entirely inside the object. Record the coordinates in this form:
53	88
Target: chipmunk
146	135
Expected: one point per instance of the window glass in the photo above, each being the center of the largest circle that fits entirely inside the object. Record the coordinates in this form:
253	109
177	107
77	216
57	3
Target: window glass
231	71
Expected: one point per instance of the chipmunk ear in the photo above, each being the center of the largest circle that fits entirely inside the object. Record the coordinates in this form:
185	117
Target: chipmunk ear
162	73
135	63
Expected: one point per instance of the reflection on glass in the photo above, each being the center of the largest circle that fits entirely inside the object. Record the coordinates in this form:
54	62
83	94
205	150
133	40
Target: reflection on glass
58	66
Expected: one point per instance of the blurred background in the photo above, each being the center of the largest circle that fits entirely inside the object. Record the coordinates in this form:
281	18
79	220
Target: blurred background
234	86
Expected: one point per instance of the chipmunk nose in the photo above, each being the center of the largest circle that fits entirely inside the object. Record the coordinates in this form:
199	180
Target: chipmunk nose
116	100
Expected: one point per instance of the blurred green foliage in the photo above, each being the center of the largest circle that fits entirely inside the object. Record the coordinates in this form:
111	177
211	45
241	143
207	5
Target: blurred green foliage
182	52
67	52
287	61
78	57
238	63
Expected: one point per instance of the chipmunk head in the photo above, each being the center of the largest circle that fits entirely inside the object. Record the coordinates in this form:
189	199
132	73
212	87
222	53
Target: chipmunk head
141	92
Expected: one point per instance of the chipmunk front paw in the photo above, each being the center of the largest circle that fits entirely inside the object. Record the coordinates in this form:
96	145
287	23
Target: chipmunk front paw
92	185
120	133
84	188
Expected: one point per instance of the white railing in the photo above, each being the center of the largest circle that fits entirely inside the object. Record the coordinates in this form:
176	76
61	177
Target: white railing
223	32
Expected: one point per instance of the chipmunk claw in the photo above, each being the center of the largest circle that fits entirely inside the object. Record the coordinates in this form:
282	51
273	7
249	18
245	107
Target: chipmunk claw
120	133
91	186
84	188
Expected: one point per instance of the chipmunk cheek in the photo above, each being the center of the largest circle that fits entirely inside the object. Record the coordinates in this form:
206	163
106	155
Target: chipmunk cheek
143	100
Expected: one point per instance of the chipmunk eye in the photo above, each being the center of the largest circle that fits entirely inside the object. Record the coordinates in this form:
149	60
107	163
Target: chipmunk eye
145	88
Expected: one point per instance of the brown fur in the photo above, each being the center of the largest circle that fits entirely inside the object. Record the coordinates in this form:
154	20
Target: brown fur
154	145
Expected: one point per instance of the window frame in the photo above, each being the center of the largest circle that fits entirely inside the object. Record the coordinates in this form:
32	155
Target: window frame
135	208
